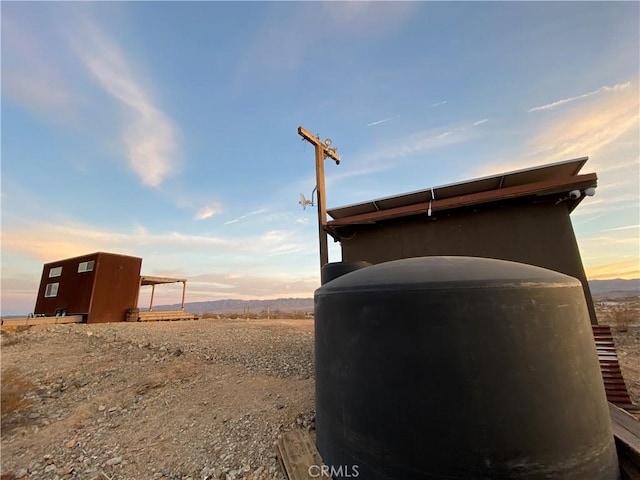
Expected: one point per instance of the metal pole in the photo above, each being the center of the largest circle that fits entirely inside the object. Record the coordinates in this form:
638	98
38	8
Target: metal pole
184	290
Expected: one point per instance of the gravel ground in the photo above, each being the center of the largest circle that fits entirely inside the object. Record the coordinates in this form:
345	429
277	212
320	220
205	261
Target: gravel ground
205	399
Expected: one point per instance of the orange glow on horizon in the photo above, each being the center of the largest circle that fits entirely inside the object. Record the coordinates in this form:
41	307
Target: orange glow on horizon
626	270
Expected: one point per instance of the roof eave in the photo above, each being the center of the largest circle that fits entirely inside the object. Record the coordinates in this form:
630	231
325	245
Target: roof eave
152	280
556	187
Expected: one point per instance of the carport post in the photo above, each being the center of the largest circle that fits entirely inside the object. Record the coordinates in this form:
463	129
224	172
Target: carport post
153	290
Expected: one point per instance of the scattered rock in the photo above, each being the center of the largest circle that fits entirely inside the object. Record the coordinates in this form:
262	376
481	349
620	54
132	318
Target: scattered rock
113	461
23	472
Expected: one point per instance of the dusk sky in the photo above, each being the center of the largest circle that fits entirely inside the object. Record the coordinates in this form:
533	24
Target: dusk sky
168	130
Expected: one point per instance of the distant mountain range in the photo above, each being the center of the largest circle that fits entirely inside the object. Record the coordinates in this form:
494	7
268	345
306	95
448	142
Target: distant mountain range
616	288
287	305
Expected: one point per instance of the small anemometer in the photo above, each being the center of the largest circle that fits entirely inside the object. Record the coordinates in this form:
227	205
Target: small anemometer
331	153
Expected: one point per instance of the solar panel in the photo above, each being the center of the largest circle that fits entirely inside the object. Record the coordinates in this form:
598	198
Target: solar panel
563	169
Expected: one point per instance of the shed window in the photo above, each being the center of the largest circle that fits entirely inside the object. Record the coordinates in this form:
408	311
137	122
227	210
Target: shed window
51	290
55	272
86	266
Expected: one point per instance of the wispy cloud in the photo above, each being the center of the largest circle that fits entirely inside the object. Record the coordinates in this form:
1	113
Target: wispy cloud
480	122
287	29
250	286
27	238
590	129
43	72
585	129
386	156
242	217
627	165
627	227
604	89
150	135
629	268
30	77
382	121
607	203
365	19
421	142
612	240
207	212
278	242
42	241
438	103
589	218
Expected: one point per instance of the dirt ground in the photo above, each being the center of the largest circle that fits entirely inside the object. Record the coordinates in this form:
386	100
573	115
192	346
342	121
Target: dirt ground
180	400
194	400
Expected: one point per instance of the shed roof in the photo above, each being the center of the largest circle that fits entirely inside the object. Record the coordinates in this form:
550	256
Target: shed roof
551	179
92	255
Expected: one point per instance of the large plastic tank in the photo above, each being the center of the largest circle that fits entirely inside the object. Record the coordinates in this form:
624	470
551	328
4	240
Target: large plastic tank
333	270
459	368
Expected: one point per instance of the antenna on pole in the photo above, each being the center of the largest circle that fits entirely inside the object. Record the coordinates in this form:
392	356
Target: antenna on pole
323	151
304	202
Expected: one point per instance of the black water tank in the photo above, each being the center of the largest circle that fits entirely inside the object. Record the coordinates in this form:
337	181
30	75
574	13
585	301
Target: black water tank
331	271
459	368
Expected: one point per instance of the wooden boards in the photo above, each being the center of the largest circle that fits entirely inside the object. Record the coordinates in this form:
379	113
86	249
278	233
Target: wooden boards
298	456
160	315
9	323
626	430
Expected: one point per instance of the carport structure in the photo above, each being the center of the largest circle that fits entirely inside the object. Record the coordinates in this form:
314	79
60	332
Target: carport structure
136	315
146	280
